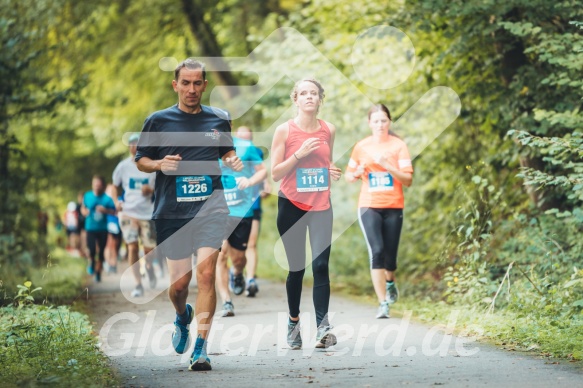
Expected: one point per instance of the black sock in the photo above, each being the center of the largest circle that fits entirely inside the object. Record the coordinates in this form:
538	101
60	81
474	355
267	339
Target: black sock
183	318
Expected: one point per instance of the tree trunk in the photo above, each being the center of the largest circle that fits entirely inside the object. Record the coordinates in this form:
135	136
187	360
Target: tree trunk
206	38
4	158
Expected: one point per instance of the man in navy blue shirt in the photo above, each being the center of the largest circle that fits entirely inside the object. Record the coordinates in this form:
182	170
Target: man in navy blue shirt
183	145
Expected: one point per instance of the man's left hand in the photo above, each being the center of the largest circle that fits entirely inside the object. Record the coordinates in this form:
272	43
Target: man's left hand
234	162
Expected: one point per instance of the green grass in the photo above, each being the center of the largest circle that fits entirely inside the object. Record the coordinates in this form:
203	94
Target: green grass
513	330
46	345
42	344
63	280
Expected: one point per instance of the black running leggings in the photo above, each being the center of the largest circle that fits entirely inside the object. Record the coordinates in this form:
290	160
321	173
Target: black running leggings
95	239
292	223
382	231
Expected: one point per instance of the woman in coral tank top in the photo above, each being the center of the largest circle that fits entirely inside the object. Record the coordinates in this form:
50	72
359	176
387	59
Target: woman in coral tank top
383	164
301	157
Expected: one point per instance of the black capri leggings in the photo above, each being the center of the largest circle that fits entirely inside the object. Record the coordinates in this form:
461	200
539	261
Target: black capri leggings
382	231
292	223
95	239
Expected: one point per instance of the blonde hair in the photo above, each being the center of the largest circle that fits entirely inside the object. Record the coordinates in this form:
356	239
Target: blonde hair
294	93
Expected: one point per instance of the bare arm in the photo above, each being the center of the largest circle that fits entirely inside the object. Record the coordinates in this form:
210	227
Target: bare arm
105	210
266	188
258	177
406	178
353	176
146	164
279	167
117	193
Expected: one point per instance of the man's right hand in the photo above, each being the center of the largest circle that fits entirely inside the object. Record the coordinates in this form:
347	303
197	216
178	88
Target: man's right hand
170	163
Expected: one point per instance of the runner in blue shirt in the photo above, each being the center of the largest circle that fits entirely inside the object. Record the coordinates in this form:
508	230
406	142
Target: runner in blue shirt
260	191
96	206
240	194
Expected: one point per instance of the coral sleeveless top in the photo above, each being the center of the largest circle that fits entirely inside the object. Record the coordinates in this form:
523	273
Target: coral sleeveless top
307	186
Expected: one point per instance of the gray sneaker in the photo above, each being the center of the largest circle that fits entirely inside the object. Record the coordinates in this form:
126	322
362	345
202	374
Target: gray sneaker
325	338
138	291
236	282
228	309
383	311
392	293
294	338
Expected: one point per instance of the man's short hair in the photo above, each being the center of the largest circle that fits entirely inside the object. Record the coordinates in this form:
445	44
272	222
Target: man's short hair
101	178
190	64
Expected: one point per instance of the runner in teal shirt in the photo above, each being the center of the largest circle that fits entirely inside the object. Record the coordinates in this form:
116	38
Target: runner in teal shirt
240	195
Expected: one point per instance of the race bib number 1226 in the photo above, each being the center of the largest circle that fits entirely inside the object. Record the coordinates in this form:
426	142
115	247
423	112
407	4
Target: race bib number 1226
193	188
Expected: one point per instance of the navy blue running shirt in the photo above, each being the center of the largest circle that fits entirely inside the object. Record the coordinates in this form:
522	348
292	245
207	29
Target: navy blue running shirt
201	140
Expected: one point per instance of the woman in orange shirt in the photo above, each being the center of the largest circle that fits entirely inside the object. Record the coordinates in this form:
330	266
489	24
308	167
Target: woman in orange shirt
383	164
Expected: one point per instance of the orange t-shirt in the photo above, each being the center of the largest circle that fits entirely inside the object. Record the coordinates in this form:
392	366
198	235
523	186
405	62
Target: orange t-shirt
379	188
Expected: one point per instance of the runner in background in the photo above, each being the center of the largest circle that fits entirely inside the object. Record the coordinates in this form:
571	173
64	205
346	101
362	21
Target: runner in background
383	164
301	157
113	234
96	205
135	213
72	227
82	232
240	195
260	191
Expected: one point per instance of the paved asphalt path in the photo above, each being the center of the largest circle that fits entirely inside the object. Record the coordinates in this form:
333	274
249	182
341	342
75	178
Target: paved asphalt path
249	350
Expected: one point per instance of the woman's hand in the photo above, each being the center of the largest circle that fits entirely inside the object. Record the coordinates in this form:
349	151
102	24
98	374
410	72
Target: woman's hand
359	171
384	161
335	172
308	146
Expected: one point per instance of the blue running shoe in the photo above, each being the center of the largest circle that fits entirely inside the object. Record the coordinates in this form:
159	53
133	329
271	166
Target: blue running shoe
90	270
199	361
180	336
228	309
236	282
392	292
252	288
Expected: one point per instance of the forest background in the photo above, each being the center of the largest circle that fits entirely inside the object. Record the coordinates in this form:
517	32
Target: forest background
494	218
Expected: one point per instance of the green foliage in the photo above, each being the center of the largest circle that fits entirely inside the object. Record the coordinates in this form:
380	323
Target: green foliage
50	345
33	142
564	154
75	77
62	280
24	296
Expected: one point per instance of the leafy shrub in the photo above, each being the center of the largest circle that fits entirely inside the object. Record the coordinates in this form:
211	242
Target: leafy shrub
41	344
